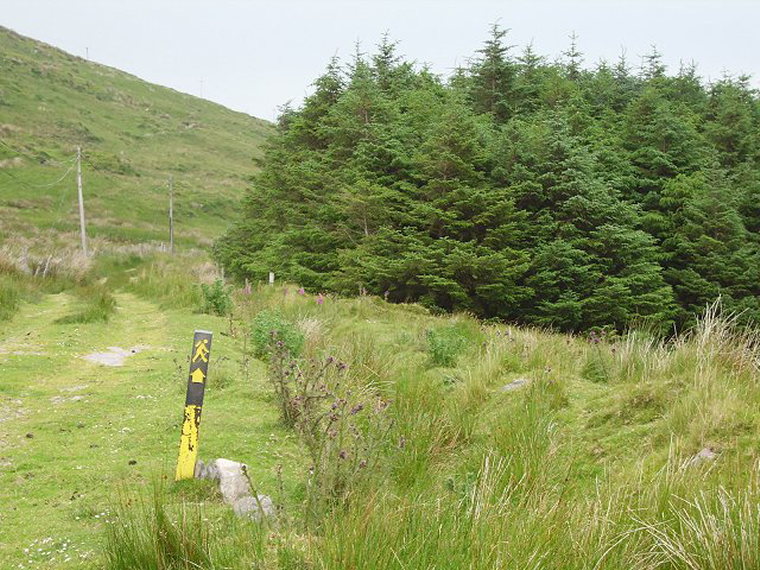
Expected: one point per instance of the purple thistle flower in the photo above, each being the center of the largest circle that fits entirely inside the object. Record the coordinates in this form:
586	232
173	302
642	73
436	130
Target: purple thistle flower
320	299
301	291
356	409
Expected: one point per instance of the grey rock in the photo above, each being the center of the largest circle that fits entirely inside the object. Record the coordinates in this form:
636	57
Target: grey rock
705	454
62	399
236	488
203	471
515	384
254	507
115	355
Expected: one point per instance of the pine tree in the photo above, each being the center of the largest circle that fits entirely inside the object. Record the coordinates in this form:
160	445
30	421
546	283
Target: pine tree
493	77
573	59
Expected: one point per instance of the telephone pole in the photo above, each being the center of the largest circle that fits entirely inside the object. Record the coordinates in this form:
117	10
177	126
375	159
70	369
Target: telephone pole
171	215
81	201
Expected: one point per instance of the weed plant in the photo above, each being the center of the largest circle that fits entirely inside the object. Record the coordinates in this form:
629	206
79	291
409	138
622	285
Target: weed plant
216	298
340	419
446	344
270	328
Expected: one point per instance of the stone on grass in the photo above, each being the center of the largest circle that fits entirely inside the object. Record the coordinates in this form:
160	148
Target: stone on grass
705	454
236	488
515	384
252	507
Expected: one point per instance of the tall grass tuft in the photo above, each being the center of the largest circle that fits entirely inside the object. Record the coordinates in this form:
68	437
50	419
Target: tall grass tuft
11	294
447	343
95	304
152	534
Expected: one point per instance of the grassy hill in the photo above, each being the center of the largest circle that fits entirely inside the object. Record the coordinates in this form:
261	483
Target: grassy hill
134	135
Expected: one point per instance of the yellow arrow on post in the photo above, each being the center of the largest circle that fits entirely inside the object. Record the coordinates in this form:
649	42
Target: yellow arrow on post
197	376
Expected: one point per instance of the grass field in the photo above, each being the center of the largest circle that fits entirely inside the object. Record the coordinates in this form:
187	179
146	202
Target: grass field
593	462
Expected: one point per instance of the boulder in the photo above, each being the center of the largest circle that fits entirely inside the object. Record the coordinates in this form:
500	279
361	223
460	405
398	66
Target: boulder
235	488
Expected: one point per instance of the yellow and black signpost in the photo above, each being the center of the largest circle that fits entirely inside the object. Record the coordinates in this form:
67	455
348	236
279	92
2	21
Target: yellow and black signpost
196	383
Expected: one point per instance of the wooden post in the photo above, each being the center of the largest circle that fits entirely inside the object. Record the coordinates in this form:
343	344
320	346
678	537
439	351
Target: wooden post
196	384
271	278
171	215
82	232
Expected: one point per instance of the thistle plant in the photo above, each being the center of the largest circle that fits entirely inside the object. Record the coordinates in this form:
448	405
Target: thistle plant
341	422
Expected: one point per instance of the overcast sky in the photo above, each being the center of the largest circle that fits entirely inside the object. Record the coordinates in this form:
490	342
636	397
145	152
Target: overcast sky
255	55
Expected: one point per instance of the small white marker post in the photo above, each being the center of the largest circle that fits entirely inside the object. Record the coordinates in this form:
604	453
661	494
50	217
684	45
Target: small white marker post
271	278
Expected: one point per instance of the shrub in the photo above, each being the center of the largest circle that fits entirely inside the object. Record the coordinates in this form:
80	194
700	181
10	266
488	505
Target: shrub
445	345
216	298
270	327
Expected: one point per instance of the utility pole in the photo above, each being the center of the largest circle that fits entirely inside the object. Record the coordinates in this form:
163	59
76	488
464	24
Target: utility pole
81	201
171	215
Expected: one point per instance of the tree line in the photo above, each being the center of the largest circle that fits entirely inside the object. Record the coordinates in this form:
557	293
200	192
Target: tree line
537	191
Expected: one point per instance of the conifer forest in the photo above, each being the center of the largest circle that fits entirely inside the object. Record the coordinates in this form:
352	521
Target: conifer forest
550	192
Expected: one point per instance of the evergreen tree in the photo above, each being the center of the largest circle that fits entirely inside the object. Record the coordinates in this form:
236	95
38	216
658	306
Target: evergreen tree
573	59
493	77
707	248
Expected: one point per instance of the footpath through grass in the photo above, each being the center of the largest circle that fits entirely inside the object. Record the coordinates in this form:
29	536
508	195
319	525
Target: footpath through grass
74	433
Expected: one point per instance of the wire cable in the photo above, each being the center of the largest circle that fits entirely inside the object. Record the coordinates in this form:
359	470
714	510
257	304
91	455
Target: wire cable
65	174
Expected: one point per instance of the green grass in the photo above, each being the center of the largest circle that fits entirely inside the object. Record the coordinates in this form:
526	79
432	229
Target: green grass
95	304
86	422
566	471
134	136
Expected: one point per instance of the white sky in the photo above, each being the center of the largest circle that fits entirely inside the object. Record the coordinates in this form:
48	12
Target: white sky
255	55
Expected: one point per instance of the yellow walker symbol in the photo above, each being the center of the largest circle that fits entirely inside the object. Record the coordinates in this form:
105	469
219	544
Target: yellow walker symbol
201	350
196	384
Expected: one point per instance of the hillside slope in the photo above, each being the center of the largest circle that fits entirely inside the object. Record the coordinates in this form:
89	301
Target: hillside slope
134	135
